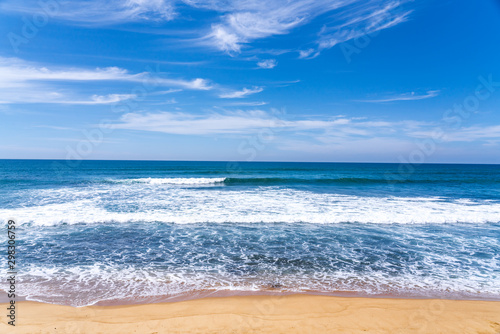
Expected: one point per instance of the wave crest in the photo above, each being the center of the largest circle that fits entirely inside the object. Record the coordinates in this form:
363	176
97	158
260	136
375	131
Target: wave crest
174	181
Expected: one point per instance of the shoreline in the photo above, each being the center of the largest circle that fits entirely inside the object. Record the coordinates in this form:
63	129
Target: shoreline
263	314
203	294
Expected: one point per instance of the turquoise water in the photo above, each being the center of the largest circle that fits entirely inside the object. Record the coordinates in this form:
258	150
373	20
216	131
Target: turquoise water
92	231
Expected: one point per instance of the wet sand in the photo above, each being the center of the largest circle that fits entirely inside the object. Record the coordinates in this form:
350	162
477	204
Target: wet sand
263	314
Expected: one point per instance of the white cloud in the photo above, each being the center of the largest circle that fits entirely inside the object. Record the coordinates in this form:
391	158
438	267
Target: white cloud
225	40
305	54
487	133
296	133
98	12
196	84
168	91
22	81
240	22
245	21
241	122
362	20
241	93
377	149
188	124
406	97
247	104
101	99
267	63
39	95
14	71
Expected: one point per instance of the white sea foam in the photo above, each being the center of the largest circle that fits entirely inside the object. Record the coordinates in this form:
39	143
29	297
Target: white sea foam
87	285
176	181
163	203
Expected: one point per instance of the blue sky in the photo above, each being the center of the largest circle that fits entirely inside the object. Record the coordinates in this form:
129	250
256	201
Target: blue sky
251	80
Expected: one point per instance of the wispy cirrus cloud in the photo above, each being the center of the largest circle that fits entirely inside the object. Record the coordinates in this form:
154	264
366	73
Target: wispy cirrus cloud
304	54
190	124
14	71
267	63
26	82
247	104
99	12
168	91
246	21
99	99
238	94
413	96
486	133
306	134
358	20
237	23
242	122
40	95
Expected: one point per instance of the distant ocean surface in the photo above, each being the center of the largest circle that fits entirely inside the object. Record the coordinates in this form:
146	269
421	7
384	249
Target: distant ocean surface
94	231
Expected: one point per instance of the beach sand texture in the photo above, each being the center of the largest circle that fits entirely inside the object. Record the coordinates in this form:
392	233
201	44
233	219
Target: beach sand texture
263	314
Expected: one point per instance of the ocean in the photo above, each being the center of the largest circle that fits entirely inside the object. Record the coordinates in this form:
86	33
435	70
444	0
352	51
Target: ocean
108	231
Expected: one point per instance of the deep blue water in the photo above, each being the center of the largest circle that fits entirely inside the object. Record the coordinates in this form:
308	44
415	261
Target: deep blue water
101	230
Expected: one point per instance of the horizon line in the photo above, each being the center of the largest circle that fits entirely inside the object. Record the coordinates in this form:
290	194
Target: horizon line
259	161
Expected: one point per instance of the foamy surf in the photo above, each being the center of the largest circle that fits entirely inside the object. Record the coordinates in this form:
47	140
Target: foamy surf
125	203
156	230
124	261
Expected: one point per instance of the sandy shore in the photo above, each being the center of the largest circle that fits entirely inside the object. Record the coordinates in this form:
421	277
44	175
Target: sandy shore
263	314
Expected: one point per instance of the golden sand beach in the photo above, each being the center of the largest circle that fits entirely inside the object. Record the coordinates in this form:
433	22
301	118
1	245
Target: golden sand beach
263	314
